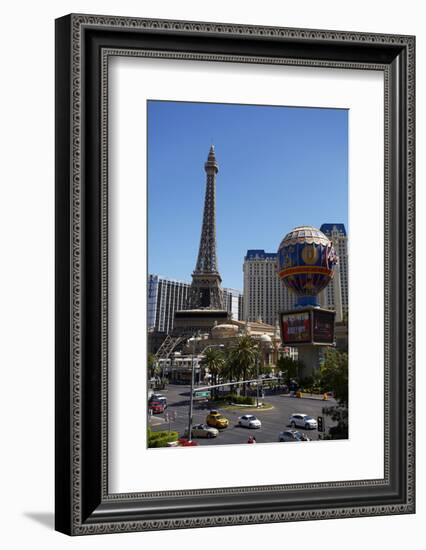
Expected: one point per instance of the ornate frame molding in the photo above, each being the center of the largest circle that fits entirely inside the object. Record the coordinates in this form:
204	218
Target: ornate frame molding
84	508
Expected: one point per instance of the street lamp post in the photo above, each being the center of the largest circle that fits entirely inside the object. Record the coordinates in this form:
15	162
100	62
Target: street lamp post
193	340
162	373
264	347
191	401
257	384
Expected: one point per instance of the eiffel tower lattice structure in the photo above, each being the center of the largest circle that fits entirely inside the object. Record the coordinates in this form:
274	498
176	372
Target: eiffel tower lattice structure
169	344
205	291
205	304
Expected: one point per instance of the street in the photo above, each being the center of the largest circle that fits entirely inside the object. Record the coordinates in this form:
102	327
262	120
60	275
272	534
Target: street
273	421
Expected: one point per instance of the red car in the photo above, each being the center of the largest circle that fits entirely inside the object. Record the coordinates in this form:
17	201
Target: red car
156	407
184	442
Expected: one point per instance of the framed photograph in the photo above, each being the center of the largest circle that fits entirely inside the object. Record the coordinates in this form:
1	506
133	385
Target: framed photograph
234	265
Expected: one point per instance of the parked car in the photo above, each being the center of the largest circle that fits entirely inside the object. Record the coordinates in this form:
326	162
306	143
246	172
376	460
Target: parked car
292	435
159	397
202	430
156	407
217	420
249	421
184	442
302	421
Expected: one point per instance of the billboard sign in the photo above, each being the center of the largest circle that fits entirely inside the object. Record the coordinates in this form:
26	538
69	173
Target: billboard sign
296	327
323	326
202	395
307	326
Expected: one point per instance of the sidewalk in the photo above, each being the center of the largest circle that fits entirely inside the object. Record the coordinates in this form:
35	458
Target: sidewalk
156	420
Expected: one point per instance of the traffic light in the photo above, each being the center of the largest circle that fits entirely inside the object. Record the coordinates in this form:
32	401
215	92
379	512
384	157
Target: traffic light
320	424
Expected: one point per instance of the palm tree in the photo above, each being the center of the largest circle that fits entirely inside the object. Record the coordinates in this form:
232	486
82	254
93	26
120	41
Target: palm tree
244	357
214	361
230	368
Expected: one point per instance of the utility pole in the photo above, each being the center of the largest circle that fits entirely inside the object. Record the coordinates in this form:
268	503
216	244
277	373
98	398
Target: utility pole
191	402
257	383
193	339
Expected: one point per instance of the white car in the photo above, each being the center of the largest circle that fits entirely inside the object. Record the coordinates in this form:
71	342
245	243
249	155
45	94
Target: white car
202	430
249	421
302	421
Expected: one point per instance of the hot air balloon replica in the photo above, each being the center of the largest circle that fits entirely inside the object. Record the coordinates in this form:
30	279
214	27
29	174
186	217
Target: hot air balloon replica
306	264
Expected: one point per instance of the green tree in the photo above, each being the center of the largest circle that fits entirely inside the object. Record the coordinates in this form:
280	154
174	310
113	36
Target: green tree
334	375
214	361
152	364
265	369
289	367
230	368
243	359
338	413
161	438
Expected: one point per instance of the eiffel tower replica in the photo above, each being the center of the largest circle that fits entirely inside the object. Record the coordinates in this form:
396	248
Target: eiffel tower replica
205	306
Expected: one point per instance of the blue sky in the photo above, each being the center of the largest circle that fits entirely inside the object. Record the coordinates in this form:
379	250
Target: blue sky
279	167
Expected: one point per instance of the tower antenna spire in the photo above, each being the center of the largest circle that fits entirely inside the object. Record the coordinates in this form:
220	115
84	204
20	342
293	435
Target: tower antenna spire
206	291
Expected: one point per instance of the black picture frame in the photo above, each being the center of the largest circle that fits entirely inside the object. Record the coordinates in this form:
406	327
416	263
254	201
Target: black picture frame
83	504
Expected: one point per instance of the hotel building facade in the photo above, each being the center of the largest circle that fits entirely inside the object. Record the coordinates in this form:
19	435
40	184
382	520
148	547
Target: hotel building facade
165	296
264	295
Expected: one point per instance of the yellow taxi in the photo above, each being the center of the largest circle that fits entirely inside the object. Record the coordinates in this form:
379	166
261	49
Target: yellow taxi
217	420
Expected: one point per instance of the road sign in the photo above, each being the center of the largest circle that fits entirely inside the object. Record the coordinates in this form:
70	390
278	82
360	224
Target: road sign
202	395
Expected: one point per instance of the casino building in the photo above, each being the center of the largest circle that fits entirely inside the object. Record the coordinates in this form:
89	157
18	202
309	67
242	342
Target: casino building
264	294
336	295
166	296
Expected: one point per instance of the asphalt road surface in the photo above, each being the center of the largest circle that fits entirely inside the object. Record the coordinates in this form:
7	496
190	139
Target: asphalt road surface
273	421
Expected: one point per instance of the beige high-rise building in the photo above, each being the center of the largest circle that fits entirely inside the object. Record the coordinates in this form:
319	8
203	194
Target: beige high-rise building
336	295
264	294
